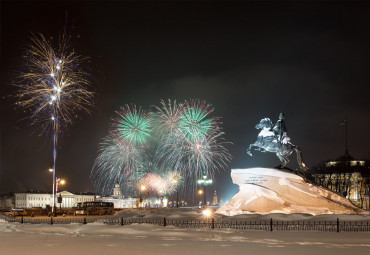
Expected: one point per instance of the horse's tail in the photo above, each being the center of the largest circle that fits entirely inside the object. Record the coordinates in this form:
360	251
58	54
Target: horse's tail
301	164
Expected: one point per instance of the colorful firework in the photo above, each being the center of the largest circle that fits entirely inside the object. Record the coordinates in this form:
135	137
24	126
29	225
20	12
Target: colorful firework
132	125
194	123
53	85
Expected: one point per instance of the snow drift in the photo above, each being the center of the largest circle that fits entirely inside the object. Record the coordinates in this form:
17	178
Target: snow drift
265	190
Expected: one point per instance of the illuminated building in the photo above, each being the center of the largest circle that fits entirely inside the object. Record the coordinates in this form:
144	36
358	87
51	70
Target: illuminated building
39	199
347	177
119	200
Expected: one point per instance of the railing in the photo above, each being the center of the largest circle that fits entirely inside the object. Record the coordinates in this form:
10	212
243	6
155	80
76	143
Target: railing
328	226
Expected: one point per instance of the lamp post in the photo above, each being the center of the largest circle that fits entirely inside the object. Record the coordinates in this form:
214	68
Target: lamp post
59	182
205	182
51	170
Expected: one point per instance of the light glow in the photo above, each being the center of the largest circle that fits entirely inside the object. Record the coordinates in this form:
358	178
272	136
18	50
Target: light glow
207	212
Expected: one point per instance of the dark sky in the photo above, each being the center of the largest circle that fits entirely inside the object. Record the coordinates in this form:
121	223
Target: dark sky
250	60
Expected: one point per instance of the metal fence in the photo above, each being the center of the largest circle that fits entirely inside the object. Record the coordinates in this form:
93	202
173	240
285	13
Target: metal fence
329	226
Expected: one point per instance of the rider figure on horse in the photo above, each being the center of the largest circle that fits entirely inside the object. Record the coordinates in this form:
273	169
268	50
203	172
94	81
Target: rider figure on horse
280	127
275	139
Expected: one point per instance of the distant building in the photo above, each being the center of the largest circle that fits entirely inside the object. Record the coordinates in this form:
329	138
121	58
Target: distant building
39	199
117	193
119	200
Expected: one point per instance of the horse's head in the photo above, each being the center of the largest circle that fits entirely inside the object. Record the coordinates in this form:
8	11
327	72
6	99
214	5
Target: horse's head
266	122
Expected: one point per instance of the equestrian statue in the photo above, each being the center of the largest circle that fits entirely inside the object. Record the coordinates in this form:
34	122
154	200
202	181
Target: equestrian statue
275	139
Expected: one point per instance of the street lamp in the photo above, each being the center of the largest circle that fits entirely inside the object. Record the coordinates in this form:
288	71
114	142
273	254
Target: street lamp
177	194
204	182
56	182
51	170
59	182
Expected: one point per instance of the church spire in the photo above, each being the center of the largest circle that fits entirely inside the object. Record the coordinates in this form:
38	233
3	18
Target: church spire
215	199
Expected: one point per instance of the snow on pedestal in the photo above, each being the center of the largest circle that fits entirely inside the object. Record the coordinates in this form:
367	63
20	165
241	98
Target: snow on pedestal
266	190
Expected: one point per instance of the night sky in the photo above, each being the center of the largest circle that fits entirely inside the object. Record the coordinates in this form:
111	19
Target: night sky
250	60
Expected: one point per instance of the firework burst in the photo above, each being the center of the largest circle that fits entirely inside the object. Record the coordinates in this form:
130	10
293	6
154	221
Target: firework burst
194	122
132	125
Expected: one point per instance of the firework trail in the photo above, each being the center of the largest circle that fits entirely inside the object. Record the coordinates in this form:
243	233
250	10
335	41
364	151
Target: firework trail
53	85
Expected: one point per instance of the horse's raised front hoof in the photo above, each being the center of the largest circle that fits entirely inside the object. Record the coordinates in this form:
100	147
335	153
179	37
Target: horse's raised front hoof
249	153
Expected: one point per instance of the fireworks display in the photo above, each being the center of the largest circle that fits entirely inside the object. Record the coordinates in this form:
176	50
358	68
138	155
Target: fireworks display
189	144
53	85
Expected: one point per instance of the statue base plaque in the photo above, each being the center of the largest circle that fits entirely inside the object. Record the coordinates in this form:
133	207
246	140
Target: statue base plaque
266	190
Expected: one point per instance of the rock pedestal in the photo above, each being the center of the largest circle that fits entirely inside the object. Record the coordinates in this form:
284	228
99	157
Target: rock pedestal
266	190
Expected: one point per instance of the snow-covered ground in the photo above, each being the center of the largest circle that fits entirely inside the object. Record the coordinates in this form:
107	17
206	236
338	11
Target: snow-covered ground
98	238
